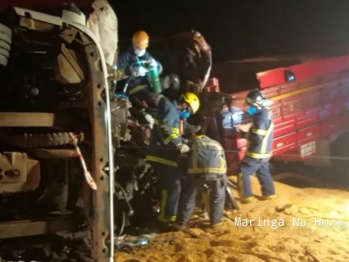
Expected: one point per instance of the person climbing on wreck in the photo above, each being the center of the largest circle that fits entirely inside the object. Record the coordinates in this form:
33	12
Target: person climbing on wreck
137	65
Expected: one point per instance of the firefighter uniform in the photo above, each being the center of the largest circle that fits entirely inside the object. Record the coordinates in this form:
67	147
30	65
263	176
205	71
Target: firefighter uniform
162	153
138	86
206	165
258	154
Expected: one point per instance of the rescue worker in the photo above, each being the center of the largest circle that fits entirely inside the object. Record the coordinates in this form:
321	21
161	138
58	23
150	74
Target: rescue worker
164	148
133	64
206	165
260	137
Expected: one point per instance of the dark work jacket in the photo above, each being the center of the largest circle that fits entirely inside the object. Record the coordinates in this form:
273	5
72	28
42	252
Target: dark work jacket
127	60
165	134
260	135
206	157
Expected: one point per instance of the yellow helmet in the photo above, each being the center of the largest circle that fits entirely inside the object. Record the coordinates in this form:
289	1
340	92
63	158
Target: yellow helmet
192	100
140	39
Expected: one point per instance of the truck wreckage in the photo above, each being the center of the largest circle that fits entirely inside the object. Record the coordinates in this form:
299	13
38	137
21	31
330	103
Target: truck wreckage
72	161
62	126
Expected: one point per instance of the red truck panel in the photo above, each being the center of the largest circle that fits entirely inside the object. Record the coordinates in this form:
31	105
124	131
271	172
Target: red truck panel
299	153
311	99
303	71
289	87
270	92
308	134
292	108
309	118
276	110
284	128
284	143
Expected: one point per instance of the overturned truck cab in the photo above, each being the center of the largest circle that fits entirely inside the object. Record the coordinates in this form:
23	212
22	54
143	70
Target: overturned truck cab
56	163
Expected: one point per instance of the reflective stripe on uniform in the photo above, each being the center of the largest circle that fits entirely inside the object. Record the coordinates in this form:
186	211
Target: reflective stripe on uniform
197	170
163	200
256	155
136	89
174	129
266	137
264	144
207	170
259	131
162	217
161	160
170	138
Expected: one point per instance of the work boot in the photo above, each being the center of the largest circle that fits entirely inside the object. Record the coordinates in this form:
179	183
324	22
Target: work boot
246	200
270	197
165	224
179	227
167	219
164	227
218	225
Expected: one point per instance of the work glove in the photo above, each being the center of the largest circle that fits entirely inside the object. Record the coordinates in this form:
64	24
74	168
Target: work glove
183	148
150	120
138	71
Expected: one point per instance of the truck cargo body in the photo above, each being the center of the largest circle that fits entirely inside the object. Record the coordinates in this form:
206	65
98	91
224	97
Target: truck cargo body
309	111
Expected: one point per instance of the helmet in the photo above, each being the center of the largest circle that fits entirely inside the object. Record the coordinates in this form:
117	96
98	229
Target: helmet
192	100
255	97
140	39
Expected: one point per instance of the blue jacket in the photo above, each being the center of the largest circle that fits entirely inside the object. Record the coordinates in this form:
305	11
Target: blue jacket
260	136
165	134
127	60
206	157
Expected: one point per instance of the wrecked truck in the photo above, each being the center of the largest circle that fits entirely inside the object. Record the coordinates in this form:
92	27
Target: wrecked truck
65	134
56	160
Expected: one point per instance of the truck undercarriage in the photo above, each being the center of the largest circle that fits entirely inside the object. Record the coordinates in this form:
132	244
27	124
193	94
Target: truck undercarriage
54	132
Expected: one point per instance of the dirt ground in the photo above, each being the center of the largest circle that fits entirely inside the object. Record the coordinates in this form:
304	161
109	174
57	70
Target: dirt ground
295	227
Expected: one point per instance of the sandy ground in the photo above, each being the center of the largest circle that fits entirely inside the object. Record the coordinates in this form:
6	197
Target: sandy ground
273	236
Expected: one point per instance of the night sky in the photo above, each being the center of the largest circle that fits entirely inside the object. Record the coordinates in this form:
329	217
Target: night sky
235	29
244	28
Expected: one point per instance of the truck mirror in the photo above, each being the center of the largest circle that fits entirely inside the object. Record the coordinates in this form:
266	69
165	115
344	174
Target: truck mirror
289	76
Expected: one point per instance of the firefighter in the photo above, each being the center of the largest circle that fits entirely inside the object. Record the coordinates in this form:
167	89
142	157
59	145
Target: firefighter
165	146
260	137
133	64
206	165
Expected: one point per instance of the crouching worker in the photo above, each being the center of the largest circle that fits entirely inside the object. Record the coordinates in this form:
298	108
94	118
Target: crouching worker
205	165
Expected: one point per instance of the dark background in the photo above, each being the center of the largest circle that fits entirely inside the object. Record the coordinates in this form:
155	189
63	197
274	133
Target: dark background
244	28
235	29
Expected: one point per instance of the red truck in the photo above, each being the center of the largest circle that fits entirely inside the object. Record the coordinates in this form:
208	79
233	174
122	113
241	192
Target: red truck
310	110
